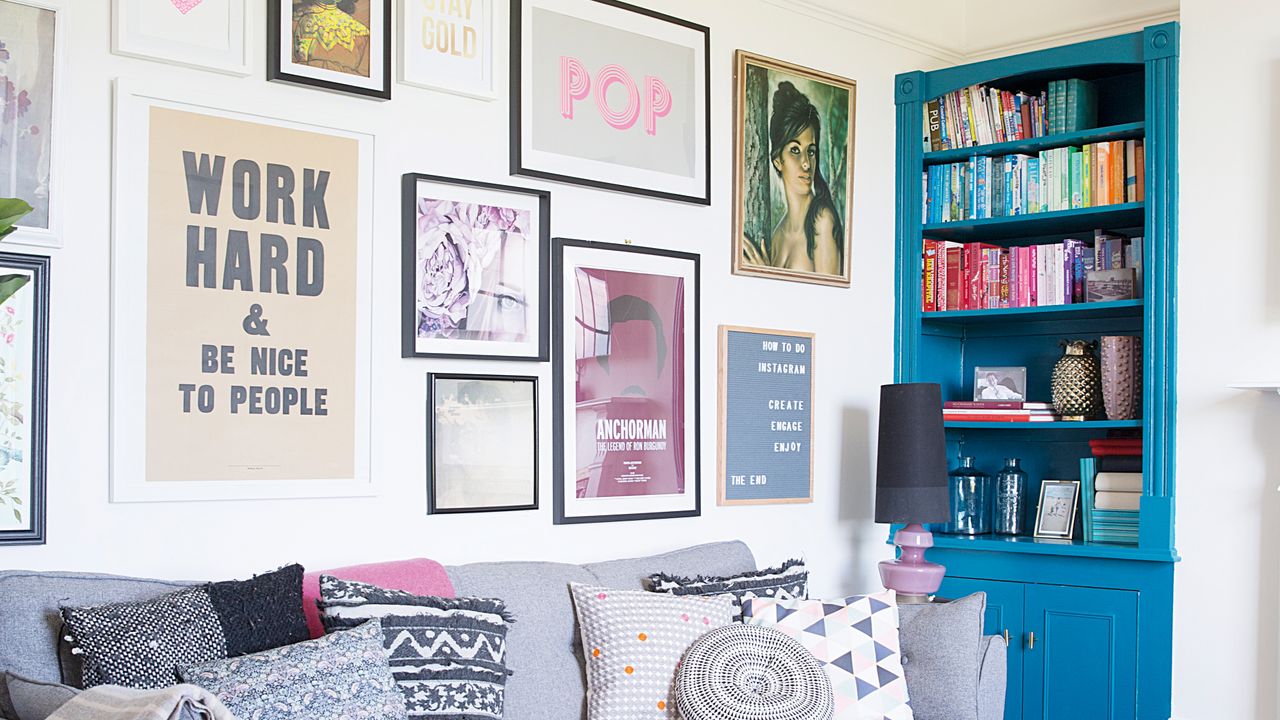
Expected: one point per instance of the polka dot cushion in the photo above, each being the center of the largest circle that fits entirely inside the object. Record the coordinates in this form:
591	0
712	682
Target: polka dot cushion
633	642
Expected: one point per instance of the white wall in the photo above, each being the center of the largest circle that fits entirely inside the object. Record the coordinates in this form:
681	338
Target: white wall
430	132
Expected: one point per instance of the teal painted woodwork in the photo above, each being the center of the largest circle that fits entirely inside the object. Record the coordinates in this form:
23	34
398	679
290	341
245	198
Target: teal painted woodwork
1103	612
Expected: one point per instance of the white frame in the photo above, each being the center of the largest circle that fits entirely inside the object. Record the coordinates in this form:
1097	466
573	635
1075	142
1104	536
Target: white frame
128	335
52	236
232	63
1069	532
401	66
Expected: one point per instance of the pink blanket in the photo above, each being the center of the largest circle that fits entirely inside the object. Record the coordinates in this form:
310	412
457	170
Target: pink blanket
418	576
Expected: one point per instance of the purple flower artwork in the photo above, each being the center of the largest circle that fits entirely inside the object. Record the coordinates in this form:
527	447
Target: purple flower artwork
26	106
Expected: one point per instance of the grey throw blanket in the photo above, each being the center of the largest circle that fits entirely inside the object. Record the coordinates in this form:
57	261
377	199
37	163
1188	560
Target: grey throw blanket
111	702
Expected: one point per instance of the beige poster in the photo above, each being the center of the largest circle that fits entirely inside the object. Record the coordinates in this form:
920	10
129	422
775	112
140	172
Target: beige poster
251	309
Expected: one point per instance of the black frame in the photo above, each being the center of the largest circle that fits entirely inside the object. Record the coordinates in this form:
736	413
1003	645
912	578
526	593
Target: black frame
560	367
432	509
408	269
39	267
274	71
517	166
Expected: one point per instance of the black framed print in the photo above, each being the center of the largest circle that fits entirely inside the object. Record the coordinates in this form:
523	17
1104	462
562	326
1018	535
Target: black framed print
475	269
611	96
340	45
625	383
482	444
24	344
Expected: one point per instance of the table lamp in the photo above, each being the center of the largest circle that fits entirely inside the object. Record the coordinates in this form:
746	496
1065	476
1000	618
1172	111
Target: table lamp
911	484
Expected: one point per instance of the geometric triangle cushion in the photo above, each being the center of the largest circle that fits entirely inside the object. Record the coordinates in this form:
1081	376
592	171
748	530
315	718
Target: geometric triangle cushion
856	642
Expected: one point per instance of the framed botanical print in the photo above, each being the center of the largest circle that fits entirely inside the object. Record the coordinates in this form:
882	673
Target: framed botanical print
448	46
340	45
793	171
206	34
32	52
626	383
611	96
24	344
475	269
482	444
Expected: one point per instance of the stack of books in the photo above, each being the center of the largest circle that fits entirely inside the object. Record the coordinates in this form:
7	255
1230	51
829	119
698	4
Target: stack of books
997	411
1111	483
981	115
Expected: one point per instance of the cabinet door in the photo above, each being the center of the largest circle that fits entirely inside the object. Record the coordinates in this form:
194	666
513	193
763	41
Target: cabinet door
1004	614
1084	662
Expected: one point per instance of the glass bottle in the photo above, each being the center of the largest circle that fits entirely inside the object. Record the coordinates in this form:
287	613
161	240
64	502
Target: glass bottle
970	491
1010	486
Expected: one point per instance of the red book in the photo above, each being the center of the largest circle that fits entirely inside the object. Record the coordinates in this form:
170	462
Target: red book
929	294
996	417
996	405
955	270
1117	452
1116	442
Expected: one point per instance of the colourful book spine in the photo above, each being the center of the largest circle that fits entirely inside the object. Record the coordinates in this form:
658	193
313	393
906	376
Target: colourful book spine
1086	176
1033	276
1117	171
1077	183
955	266
1130	171
928	294
1103	188
1140	170
1033	185
1004	277
1086	495
1064	178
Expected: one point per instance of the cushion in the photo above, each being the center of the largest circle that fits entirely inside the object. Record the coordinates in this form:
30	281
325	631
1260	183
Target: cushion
447	654
750	672
342	676
418	576
140	644
36	699
941	653
633	642
856	640
789	581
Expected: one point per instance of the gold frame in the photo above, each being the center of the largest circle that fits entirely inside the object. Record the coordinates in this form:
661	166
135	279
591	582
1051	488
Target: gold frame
1075	508
722	403
739	266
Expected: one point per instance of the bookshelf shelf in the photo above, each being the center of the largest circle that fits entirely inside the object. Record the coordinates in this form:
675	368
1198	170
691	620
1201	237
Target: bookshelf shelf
1034	225
1099	310
1047	546
1088	425
1031	146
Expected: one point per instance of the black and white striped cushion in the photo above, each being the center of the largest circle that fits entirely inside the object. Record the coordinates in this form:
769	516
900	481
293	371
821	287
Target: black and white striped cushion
788	581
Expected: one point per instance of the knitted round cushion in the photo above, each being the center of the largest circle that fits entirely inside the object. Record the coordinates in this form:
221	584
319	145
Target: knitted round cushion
750	672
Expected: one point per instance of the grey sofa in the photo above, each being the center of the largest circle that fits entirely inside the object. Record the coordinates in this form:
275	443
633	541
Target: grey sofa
543	651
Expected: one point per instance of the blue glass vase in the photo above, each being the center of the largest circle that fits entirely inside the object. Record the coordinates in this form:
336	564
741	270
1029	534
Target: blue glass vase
1010	487
970	491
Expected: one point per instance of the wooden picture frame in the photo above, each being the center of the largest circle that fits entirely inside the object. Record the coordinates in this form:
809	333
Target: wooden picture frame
282	67
759	416
1055	512
24	360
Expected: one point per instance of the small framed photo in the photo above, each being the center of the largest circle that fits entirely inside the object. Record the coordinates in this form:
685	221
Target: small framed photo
1000	383
1056	513
340	45
482	443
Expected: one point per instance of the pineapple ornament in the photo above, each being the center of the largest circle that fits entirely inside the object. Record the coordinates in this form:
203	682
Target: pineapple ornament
1077	382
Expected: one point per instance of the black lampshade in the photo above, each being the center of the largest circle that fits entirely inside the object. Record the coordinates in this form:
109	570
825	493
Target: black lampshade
911	464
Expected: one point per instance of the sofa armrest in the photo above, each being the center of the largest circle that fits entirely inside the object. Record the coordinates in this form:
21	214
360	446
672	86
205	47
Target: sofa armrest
992	678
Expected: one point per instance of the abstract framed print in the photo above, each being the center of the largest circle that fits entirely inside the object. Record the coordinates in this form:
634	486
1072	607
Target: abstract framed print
205	34
24	344
475	269
260	227
340	45
482	443
626	383
793	171
448	46
611	96
32	53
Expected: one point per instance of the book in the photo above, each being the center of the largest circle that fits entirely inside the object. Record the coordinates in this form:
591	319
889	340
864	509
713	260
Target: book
1110	500
929	290
955	272
1120	464
933	124
995	405
1134	443
1086	495
996	416
1119	482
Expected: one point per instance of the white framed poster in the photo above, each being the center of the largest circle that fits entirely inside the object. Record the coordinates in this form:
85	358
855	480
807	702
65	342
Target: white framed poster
240	304
448	46
205	34
32	63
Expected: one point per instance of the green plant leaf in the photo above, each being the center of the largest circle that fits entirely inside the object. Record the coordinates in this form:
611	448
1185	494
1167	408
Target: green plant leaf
11	211
17	501
10	284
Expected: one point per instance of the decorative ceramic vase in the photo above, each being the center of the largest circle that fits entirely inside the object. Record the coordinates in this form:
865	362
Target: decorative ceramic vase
1010	486
970	491
1122	376
1077	382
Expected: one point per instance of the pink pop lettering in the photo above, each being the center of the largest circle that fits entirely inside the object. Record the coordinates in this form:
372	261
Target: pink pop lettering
575	83
659	103
608	75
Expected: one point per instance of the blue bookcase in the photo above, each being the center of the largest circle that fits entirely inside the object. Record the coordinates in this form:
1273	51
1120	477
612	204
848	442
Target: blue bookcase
1089	624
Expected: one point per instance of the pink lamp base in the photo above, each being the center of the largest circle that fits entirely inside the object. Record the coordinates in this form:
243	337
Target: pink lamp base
911	576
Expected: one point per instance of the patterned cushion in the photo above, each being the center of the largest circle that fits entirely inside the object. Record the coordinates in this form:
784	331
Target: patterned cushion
633	642
344	676
448	655
789	581
140	644
856	640
750	672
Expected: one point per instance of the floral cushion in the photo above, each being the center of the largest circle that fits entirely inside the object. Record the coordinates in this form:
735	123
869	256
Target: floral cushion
343	676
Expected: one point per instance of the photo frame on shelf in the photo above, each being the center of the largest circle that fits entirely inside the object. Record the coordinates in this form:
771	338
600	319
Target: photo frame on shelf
344	46
34	60
793	144
611	96
448	47
475	269
482	443
24	375
203	34
1000	383
1056	511
625	383
765	431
